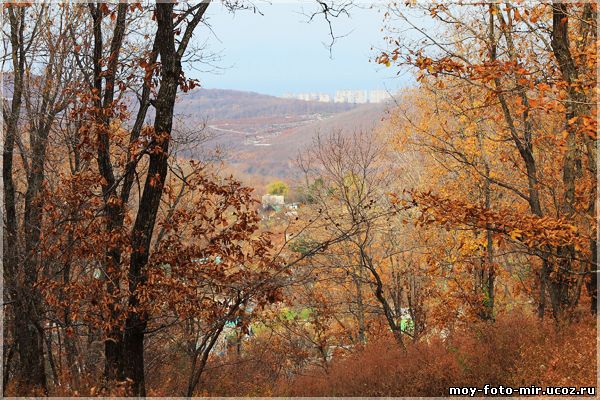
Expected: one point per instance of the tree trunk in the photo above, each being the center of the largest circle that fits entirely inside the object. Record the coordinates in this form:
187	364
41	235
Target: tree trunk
141	234
360	306
380	296
31	343
113	347
206	348
135	325
578	106
30	373
525	148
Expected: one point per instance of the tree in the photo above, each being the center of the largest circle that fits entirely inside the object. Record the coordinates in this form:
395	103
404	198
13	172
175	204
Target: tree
489	60
125	349
79	237
277	188
40	94
353	204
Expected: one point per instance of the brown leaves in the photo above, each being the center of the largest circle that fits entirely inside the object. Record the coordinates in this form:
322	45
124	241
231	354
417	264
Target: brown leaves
187	84
211	245
531	230
104	8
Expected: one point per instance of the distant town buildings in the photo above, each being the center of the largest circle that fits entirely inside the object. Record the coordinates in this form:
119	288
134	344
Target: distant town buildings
379	96
324	98
272	200
274	206
351	96
344	96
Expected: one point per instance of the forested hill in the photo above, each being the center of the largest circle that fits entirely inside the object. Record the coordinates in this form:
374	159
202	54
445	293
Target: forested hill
223	104
278	154
260	135
234	104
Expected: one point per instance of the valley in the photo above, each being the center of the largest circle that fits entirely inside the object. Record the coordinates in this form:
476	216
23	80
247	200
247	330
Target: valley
261	136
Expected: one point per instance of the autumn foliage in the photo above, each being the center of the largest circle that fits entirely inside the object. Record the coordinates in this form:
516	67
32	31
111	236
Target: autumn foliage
453	245
516	350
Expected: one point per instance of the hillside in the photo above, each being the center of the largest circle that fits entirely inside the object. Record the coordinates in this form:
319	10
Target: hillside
223	104
261	135
278	157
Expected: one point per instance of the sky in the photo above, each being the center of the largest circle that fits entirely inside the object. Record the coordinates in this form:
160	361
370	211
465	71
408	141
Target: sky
280	51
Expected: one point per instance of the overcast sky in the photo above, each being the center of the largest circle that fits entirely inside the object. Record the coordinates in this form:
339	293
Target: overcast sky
281	52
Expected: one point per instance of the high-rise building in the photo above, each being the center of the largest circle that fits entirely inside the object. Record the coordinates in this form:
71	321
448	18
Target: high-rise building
344	96
350	96
360	96
379	96
312	96
324	98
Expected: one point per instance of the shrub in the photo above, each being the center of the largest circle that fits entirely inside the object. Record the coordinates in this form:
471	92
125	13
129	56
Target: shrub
516	350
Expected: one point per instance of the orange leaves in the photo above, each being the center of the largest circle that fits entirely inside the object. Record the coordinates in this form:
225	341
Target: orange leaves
585	126
209	251
104	8
147	66
17	4
516	14
135	6
442	65
539	12
187	84
532	231
516	234
386	59
149	71
516	350
154	180
543	87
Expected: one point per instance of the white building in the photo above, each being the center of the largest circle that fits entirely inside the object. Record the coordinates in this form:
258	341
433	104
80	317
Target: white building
344	96
272	200
379	96
350	96
324	98
360	96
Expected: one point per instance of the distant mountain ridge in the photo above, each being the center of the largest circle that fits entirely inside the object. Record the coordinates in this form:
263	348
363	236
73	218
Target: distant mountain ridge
260	134
219	104
263	134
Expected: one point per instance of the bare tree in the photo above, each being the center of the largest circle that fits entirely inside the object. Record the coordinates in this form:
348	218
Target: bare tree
351	200
43	76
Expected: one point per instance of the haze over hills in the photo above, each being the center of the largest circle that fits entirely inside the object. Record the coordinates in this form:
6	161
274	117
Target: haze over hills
278	159
262	135
221	104
259	134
